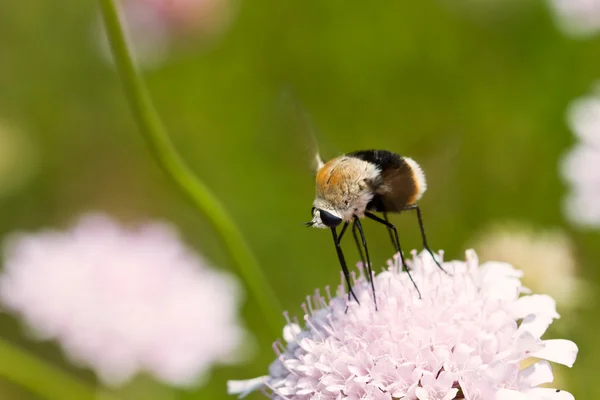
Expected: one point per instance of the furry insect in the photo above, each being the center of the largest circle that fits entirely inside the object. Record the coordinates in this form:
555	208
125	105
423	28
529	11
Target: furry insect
357	184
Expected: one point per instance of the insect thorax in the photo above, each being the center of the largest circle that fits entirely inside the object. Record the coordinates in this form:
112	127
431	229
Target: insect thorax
345	185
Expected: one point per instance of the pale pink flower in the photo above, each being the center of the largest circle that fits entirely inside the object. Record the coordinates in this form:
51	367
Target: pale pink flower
580	167
578	18
121	301
465	339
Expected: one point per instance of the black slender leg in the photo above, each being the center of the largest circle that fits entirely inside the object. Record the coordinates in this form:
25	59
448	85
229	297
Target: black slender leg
343	231
397	244
360	251
340	254
425	245
358	224
341	235
385	217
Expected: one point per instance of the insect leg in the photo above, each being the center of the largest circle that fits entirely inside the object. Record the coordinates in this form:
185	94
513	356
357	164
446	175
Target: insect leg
360	251
396	243
358	224
341	235
389	229
425	245
340	254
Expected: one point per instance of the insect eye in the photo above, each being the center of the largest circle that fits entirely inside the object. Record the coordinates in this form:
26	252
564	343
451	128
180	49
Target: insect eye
329	219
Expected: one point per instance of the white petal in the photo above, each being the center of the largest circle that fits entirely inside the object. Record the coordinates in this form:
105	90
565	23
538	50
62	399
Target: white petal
506	394
451	394
422	394
535	304
535	324
535	375
244	388
526	344
559	351
496	370
550	394
497	269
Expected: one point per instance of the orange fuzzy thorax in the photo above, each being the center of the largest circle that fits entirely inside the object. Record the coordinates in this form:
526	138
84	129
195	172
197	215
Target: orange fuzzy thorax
342	185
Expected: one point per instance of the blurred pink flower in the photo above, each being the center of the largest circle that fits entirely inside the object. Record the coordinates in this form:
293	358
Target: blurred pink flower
123	301
465	339
154	26
581	165
191	16
577	18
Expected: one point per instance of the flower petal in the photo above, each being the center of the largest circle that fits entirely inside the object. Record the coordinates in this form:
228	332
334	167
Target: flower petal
245	387
535	304
422	394
535	375
559	351
451	394
550	394
535	324
507	394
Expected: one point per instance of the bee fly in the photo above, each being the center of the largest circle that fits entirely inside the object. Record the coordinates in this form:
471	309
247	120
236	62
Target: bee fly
357	184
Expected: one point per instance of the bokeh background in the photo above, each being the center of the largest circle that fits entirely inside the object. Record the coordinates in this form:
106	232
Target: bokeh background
476	91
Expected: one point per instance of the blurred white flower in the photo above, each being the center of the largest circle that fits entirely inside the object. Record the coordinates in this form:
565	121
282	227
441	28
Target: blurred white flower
465	339
546	258
580	167
18	158
123	301
578	18
154	26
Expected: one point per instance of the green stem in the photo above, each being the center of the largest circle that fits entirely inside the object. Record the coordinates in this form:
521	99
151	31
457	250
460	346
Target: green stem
167	156
43	379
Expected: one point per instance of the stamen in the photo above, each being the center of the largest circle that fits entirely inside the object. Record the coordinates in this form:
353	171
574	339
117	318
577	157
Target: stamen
328	291
309	302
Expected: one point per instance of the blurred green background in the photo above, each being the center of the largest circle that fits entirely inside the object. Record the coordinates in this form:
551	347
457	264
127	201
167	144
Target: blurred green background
475	91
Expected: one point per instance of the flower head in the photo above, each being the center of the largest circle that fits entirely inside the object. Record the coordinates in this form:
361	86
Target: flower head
465	339
121	301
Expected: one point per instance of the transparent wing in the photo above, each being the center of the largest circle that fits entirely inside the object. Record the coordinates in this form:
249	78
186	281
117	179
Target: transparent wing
300	129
